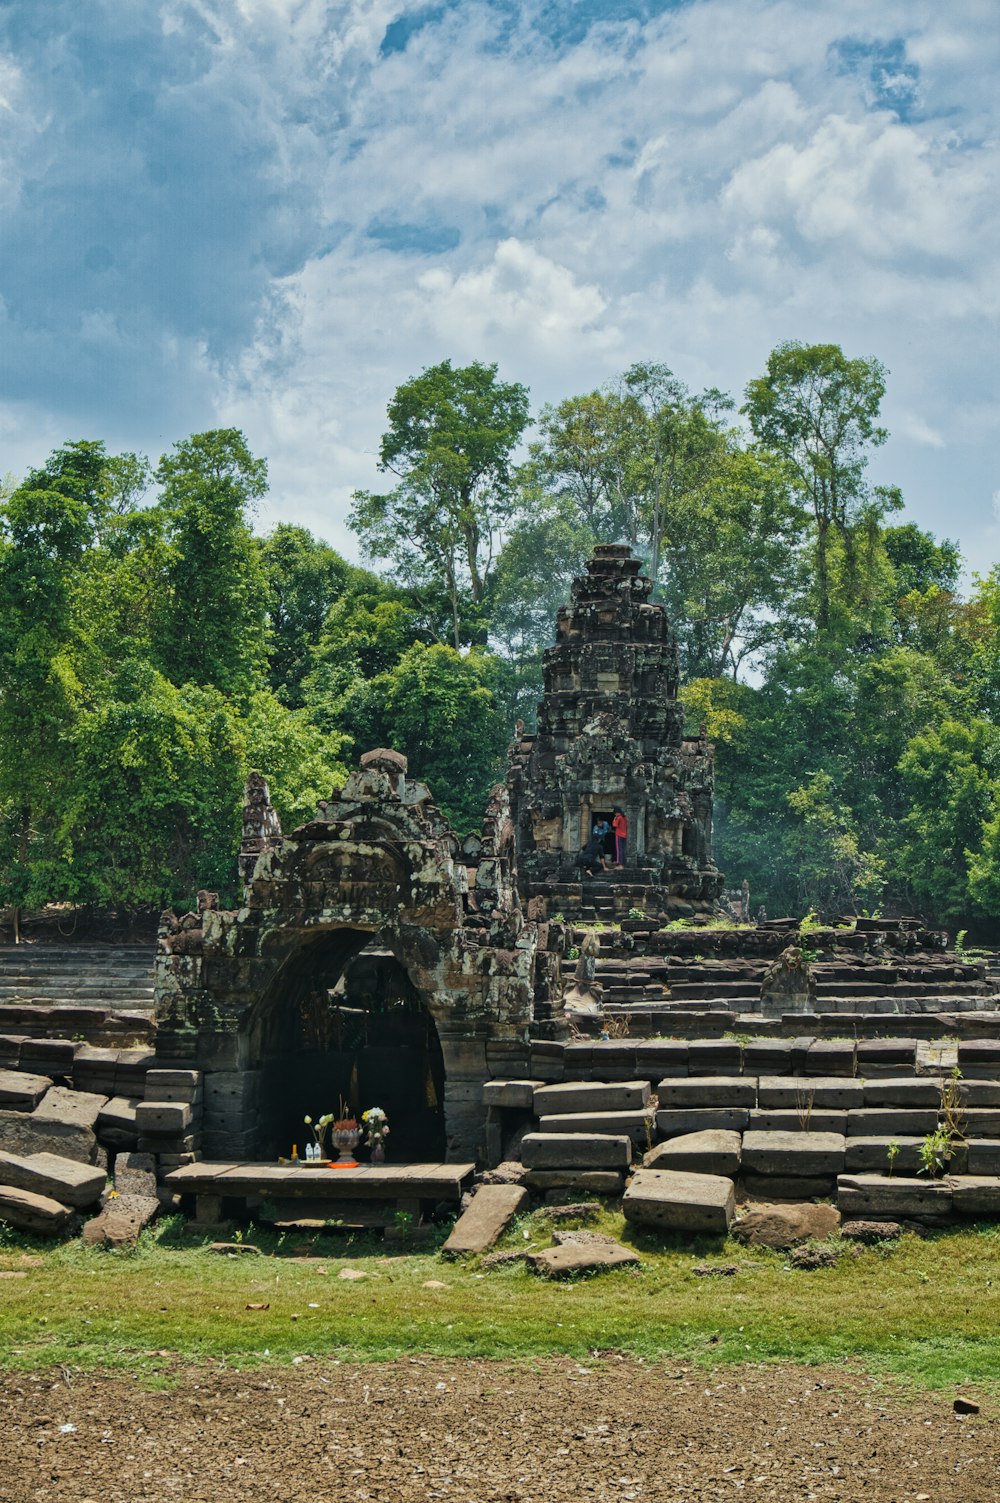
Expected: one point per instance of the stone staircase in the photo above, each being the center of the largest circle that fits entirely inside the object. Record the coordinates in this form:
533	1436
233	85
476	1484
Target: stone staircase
785	1118
70	990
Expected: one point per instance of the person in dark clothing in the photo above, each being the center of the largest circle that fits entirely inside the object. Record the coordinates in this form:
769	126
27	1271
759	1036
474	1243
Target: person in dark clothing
592	857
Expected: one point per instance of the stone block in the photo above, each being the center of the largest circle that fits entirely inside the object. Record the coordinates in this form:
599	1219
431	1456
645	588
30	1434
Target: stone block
119	1114
121	1221
979	1093
490	1212
581	1257
589	1181
821	1121
10	1050
669	1124
876	1197
701	1204
708	1090
793	1154
29	1212
891	1122
982	1122
979	1059
714	1151
880	1057
163	1118
173	1086
545	1150
65	1180
983	1156
657	1061
135	1174
871	1156
975	1195
515	1094
714	1057
22	1133
48	1056
923	1091
69	1108
573	1097
638	1125
804	1093
20	1091
782	1227
827	1057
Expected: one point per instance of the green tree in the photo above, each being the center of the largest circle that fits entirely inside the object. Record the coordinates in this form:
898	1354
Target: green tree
210	624
451	435
304	578
820	411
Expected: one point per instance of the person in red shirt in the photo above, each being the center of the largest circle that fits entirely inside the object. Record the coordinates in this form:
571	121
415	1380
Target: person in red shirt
620	826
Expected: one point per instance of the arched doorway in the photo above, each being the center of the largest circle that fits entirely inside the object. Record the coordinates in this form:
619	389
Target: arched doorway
342	1022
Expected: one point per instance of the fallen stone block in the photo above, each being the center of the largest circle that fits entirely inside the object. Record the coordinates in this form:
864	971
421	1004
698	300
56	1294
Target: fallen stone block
515	1094
876	1197
121	1221
586	1181
711	1152
695	1203
708	1090
24	1134
975	1195
135	1174
910	1093
781	1227
639	1126
69	1108
580	1257
550	1150
781	1121
30	1212
670	1124
586	1098
793	1153
490	1213
804	1094
21	1092
65	1180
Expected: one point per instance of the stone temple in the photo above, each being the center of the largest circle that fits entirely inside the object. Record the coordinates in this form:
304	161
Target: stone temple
506	1008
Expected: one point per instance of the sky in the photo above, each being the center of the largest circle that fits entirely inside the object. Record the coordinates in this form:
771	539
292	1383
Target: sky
270	213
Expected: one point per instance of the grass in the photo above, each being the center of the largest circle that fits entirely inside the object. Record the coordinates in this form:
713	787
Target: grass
924	1310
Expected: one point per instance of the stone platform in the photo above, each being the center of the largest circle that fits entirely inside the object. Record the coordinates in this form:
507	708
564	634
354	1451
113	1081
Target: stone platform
370	1195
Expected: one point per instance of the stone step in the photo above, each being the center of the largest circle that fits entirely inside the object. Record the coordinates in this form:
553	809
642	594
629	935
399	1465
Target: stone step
696	1204
639	1125
712	1151
550	1150
621	1096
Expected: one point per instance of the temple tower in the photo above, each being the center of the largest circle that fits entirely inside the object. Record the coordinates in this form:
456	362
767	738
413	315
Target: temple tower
611	733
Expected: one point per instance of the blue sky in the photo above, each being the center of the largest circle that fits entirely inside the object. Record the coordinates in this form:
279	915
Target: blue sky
271	212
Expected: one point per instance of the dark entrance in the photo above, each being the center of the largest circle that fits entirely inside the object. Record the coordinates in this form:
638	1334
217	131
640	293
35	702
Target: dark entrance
345	1024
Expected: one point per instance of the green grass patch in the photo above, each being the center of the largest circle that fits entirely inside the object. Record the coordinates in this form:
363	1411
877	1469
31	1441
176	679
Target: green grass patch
927	1310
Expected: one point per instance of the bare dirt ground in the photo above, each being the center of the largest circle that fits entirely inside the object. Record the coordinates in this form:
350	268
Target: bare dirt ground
491	1432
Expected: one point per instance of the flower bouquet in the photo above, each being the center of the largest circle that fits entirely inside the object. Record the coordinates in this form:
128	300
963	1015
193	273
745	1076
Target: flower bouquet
377	1128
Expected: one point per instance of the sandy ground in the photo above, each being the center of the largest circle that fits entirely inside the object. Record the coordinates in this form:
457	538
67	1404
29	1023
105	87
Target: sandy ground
491	1432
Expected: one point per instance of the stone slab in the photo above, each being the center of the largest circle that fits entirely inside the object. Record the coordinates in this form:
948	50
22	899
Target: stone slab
65	1180
135	1174
876	1197
894	1091
983	1156
871	1156
714	1151
545	1150
982	1122
891	1122
592	1181
979	1092
69	1108
20	1091
516	1094
121	1221
119	1113
793	1153
29	1212
816	1121
708	1090
490	1213
975	1195
576	1098
580	1257
163	1118
702	1204
805	1093
22	1133
669	1124
639	1126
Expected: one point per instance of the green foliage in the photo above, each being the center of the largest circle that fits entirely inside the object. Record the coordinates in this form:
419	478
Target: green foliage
304	579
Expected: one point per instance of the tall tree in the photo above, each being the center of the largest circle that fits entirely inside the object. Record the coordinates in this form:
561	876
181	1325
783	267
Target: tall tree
820	410
304	578
451	435
211	618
